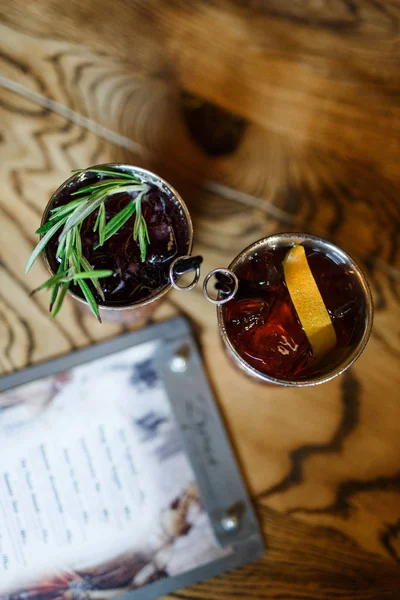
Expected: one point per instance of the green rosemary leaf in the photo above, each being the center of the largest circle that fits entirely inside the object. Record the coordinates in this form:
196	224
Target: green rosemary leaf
142	243
97	187
75	262
140	232
68	242
88	267
56	287
65	208
93	274
42	244
81	213
60	253
86	264
53	280
138	219
118	221
59	300
134	187
146	230
102	185
108	172
102	224
78	242
89	298
45	227
97	222
64	261
53	296
80	208
49	224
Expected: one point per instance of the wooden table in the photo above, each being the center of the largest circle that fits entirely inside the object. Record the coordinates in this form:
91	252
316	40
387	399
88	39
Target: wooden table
267	116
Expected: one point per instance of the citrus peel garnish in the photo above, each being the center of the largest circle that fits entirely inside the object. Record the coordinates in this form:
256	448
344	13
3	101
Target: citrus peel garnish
308	302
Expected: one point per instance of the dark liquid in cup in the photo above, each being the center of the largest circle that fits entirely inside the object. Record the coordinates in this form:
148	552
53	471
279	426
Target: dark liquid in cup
263	325
133	280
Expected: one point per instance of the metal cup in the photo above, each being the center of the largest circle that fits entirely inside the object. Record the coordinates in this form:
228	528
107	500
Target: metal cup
271	243
134	311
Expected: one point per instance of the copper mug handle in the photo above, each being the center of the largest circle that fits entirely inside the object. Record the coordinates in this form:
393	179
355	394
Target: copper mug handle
231	285
182	265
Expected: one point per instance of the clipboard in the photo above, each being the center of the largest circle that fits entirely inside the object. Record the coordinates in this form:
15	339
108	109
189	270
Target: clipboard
143	396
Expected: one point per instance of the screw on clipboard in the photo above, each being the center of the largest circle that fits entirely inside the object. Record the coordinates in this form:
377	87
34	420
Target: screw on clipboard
179	362
231	520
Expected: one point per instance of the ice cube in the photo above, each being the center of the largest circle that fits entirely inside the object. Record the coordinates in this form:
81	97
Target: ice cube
244	315
259	273
163	246
279	344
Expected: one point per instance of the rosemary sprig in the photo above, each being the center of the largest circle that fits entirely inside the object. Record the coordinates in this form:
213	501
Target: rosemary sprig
73	265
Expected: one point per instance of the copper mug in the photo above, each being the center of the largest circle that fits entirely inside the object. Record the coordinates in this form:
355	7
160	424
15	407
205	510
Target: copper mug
142	309
271	243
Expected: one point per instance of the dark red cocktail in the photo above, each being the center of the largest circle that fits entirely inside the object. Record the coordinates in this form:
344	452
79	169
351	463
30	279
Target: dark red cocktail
261	326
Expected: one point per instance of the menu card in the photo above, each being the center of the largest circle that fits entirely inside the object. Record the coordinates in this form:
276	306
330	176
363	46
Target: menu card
97	492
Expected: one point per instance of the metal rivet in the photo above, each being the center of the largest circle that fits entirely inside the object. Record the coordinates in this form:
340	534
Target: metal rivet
230	523
178	364
180	361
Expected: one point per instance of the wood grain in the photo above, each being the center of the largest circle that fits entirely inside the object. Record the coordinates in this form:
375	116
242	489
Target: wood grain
307	96
293	569
313	182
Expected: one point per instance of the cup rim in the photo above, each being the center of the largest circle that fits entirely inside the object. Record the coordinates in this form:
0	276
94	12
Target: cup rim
145	173
297	238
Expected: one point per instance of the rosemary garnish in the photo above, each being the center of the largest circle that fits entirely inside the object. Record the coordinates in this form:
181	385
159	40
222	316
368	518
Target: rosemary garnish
73	265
